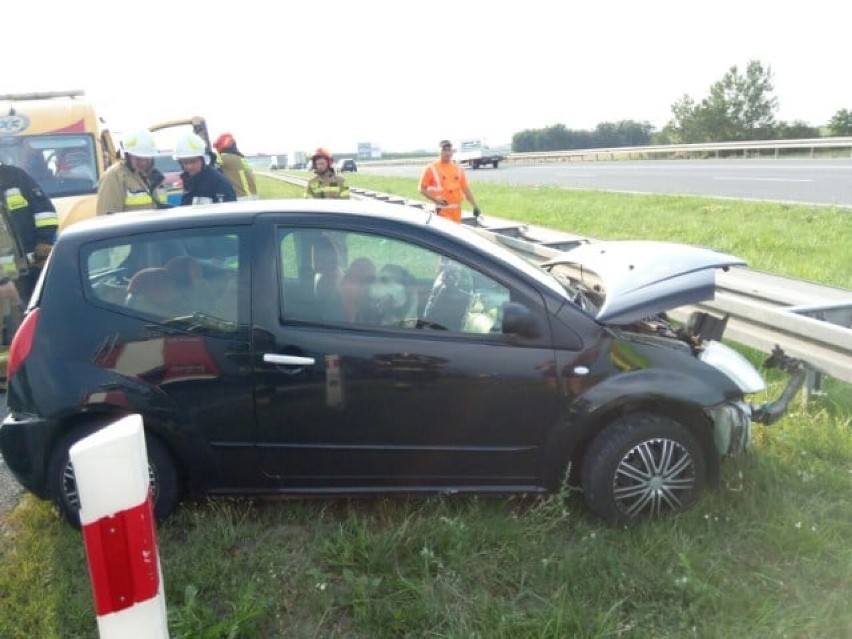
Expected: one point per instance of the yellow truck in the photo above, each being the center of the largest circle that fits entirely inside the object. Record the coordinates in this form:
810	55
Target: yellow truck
59	139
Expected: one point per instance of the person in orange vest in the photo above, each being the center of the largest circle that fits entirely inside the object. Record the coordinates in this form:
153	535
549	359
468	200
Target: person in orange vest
444	182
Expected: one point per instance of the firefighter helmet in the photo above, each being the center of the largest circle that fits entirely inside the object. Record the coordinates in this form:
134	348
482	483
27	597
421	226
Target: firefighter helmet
224	141
322	153
141	144
190	146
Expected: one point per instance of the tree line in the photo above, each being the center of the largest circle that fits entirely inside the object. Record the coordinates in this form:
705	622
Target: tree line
741	106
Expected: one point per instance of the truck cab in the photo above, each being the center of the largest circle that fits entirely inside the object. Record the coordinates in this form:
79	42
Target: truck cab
58	138
475	153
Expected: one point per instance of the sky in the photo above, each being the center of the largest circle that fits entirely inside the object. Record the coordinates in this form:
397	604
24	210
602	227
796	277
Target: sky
401	75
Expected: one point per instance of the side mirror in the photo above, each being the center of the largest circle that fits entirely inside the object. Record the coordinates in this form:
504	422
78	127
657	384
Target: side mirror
519	320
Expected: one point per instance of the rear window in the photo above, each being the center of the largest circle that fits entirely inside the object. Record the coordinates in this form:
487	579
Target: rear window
189	277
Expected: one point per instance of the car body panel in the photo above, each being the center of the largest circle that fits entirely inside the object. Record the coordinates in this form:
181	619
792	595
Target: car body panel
643	278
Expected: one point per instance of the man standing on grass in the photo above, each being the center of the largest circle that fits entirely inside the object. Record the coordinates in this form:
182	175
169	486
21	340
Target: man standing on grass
444	182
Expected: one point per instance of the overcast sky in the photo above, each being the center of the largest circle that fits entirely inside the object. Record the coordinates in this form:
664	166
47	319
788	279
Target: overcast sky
403	75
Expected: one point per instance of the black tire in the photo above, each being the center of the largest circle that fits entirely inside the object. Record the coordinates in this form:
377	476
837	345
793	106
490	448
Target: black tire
63	488
643	466
496	163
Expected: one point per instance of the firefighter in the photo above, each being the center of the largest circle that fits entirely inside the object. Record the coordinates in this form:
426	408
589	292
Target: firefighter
202	183
235	167
28	225
134	182
28	228
326	183
444	182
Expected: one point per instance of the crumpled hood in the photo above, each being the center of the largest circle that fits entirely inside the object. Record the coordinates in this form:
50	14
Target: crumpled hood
642	278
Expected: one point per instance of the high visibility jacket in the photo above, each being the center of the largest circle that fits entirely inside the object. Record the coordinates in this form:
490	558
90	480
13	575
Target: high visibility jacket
327	185
445	180
29	219
123	189
239	173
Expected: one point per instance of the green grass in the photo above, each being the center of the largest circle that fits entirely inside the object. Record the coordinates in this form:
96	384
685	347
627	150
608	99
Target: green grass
768	555
805	242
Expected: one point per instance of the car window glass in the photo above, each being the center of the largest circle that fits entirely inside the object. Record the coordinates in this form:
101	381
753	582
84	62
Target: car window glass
62	164
187	279
372	280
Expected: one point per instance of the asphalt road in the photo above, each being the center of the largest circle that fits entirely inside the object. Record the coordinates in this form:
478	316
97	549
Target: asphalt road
800	181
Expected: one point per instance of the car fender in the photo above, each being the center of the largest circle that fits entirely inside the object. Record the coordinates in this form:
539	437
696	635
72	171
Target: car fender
652	390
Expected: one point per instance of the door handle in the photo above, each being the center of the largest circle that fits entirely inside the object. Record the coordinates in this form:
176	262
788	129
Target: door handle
288	360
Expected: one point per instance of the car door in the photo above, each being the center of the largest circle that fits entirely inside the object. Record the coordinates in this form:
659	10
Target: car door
380	362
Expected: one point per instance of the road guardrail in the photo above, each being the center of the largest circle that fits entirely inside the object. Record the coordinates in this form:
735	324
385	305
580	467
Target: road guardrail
810	321
748	148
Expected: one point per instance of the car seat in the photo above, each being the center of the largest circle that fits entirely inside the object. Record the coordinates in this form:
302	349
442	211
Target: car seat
153	290
197	295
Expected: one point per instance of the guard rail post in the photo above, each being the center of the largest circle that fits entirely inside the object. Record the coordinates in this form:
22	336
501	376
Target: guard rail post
117	519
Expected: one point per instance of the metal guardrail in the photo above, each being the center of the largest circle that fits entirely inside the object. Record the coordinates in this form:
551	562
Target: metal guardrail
810	321
716	149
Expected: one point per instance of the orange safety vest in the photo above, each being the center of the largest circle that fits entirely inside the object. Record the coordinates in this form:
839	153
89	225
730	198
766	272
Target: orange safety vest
446	180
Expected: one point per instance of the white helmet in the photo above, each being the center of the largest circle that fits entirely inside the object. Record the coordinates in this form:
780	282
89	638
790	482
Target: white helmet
141	144
190	146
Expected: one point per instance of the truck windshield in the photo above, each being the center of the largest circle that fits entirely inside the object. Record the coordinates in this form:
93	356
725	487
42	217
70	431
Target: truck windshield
62	164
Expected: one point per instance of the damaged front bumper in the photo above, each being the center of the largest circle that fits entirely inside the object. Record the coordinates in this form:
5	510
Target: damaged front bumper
732	421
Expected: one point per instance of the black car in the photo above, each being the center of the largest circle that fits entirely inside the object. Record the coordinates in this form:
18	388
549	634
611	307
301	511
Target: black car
347	164
308	347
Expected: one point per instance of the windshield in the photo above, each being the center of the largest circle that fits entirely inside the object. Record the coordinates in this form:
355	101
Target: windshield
62	164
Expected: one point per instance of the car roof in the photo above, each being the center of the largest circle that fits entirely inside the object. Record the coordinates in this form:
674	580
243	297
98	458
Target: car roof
235	213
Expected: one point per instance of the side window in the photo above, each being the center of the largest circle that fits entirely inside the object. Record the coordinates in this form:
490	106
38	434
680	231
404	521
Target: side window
372	280
170	277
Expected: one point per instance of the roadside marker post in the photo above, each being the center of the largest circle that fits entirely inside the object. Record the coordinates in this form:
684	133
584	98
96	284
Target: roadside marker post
117	520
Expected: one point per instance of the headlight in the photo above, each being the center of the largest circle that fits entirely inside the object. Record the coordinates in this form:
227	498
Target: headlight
731	427
734	365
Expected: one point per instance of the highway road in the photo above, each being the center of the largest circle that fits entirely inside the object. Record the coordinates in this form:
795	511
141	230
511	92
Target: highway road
823	182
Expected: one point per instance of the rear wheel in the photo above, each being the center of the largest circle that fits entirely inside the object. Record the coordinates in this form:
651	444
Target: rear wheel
63	486
643	466
496	162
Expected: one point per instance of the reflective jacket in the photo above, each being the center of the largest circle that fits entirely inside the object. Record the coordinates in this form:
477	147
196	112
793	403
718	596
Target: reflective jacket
124	189
327	185
29	218
446	180
208	185
239	173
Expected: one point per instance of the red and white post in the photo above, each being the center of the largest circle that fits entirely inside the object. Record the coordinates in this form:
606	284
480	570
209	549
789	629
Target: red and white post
117	518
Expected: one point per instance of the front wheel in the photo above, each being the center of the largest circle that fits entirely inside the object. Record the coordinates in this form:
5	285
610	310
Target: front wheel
641	467
63	486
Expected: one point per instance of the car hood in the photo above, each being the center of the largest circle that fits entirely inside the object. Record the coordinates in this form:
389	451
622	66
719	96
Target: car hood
638	279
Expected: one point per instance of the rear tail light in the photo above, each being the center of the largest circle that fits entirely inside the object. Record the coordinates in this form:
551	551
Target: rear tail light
22	343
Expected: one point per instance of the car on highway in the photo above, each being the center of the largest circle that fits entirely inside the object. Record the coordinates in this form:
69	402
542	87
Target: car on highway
316	347
347	164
